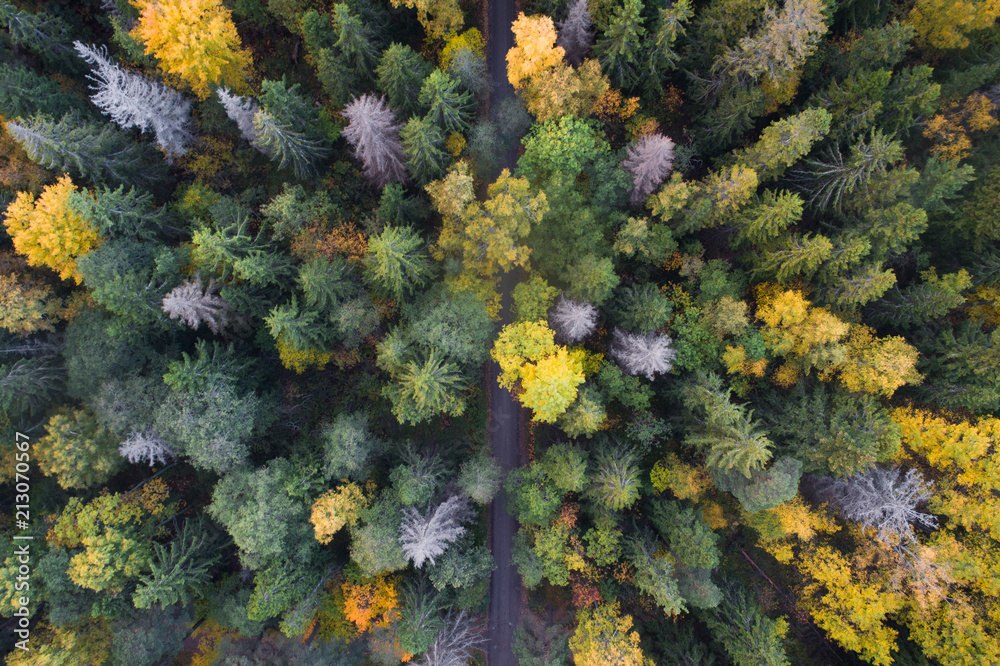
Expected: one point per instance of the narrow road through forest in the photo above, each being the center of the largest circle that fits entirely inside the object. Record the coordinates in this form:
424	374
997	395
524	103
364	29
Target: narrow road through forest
505	413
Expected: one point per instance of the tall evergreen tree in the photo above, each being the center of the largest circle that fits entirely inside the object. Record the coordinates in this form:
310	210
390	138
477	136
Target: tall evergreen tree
401	73
287	128
102	154
447	106
424	146
619	50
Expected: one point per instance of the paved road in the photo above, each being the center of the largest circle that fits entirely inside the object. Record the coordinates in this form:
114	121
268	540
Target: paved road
505	413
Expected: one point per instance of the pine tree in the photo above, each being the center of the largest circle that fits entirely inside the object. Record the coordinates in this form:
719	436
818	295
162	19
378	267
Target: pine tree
425	537
573	320
132	100
28	385
619	50
374	135
424	146
784	142
396	261
781	46
353	40
883	500
100	153
795	255
401	73
120	212
828	180
194	305
424	390
146	445
649	161
24	93
179	571
638	354
575	33
447	106
861	287
241	110
41	33
287	129
615	482
768	217
662	56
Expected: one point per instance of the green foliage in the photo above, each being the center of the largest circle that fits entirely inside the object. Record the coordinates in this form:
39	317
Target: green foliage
533	298
179	571
533	496
691	540
566	466
447	105
763	489
562	146
615	481
375	541
749	637
641	308
396	261
401	73
654	575
348	447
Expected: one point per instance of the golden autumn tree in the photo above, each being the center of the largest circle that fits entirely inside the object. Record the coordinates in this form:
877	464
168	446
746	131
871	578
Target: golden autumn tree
550	87
805	336
49	231
440	18
336	508
196	43
944	24
604	636
544	375
950	128
878	365
27	307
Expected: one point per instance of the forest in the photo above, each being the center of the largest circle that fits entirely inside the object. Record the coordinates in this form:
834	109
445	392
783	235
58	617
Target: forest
269	270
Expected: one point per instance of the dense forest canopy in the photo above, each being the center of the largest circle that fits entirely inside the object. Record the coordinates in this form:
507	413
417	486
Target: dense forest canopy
252	308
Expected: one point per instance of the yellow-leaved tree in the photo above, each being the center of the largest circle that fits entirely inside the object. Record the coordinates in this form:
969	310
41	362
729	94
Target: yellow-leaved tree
196	43
440	18
544	375
878	365
805	336
550	87
604	636
48	231
943	24
336	508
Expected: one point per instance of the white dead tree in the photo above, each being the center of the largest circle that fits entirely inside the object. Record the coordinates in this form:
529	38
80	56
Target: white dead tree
241	110
146	445
575	33
573	320
425	537
455	642
646	354
374	135
883	500
194	305
132	100
649	161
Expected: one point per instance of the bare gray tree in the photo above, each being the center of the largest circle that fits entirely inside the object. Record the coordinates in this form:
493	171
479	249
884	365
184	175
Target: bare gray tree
132	100
649	161
193	306
241	110
575	33
642	354
883	500
456	641
573	320
425	537
374	134
146	445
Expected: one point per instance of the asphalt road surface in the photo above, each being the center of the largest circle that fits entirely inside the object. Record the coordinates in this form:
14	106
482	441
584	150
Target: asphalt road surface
505	413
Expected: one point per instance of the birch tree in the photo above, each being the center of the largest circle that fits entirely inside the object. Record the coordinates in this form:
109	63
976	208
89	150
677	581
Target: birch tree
132	100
